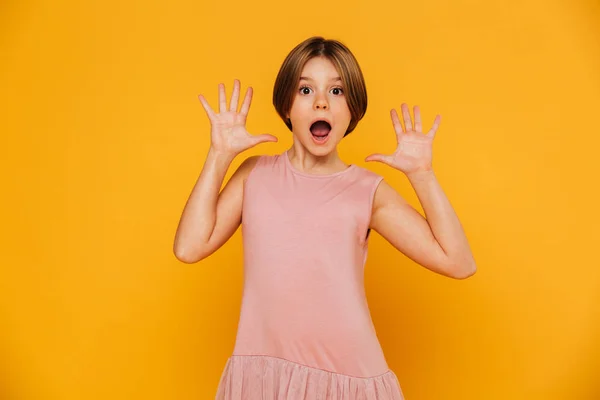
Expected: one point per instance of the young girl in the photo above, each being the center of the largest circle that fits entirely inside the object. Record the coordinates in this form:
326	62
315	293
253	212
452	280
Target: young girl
305	330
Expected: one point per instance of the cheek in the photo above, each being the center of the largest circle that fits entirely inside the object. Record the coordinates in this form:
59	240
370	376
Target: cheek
342	106
343	111
298	107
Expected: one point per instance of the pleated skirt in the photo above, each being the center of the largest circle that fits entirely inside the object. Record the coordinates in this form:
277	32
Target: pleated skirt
258	377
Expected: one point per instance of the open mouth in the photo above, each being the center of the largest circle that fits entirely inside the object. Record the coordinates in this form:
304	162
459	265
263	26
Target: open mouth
320	130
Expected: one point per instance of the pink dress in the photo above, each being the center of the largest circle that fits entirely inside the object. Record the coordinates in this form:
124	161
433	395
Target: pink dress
305	330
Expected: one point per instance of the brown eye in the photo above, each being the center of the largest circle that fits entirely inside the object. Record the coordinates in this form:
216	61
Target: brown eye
305	90
339	91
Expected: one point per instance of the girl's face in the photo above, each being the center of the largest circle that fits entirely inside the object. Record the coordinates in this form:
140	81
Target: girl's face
319	97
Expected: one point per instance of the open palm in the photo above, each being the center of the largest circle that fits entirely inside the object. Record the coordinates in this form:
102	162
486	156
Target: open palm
228	127
414	150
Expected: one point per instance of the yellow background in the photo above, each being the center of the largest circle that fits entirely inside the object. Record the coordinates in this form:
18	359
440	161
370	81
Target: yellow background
103	138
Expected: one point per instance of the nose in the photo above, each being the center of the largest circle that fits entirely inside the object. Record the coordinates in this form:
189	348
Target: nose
321	103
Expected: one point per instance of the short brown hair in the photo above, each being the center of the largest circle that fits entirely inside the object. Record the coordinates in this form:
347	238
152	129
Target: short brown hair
344	61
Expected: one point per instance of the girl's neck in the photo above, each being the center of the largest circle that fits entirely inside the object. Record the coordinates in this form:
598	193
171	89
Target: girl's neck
303	160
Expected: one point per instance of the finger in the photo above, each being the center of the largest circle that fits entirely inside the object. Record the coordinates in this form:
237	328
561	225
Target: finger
233	106
222	98
418	125
264	138
406	116
386	159
247	101
396	122
207	108
436	125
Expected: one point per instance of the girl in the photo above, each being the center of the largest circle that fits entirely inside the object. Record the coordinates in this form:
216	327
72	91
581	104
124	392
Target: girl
305	330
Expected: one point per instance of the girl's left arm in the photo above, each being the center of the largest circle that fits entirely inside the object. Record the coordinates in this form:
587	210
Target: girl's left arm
438	241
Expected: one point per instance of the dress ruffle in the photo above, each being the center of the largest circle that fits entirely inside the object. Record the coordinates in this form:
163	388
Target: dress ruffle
258	377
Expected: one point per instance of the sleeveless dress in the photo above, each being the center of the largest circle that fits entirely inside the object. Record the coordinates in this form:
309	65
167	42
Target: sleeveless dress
305	329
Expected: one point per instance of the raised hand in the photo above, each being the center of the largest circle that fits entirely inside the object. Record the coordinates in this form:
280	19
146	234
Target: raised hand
228	133
414	151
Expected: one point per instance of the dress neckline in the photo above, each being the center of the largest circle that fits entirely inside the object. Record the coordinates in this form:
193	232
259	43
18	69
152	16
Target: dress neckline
317	176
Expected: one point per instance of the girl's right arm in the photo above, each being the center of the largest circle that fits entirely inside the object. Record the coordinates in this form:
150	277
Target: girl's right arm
209	217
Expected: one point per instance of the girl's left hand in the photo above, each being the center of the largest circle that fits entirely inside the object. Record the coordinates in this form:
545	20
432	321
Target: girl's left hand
414	151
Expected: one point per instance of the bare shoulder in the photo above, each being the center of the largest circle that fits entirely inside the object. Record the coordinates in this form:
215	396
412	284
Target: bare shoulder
386	196
246	167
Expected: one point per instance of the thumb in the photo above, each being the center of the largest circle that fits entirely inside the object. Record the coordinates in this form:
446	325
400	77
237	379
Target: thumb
378	157
264	138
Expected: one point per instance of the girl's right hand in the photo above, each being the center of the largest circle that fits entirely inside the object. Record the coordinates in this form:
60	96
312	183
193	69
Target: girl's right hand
228	133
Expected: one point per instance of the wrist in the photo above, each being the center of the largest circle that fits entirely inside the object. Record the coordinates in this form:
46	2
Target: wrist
220	156
421	175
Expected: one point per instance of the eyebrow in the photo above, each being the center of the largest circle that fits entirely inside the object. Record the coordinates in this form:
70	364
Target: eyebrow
337	78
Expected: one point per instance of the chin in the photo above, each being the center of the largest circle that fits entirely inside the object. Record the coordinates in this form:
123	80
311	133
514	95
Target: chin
319	149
